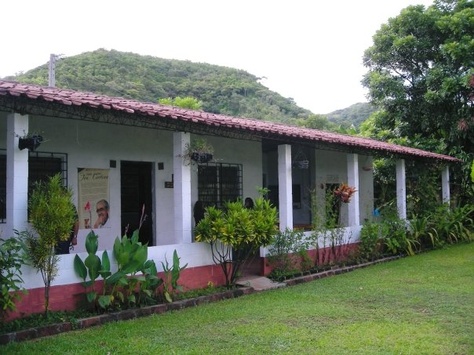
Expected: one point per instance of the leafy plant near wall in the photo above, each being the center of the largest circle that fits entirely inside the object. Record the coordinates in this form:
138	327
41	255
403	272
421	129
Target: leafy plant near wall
288	254
51	214
236	232
172	275
10	274
326	225
371	241
93	267
133	284
136	280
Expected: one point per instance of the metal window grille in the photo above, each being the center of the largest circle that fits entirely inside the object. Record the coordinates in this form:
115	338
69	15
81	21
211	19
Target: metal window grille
219	183
41	165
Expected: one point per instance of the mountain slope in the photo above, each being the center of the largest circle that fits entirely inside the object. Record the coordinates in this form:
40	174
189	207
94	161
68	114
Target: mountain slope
145	78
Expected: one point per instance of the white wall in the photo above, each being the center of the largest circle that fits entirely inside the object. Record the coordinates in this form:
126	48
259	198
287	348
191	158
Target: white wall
94	145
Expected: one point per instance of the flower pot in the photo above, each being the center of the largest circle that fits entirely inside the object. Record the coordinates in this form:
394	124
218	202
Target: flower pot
201	157
302	164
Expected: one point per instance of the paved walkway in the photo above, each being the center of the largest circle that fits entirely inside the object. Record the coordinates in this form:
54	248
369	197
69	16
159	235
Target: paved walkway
259	283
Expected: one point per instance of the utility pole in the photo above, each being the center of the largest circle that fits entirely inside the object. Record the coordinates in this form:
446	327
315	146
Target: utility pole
52	70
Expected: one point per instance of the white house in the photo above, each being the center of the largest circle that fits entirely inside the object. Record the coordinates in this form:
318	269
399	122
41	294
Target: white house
130	153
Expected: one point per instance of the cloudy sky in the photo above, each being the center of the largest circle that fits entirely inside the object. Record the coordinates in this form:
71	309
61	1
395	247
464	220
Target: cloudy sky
308	50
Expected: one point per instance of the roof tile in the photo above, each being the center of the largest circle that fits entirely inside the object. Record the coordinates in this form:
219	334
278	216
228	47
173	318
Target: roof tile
70	97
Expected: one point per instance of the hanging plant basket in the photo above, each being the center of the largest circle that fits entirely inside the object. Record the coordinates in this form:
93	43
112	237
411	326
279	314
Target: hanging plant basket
199	151
201	157
300	161
302	164
30	142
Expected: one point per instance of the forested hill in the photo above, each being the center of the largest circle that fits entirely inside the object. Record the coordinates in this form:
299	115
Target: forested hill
352	115
145	78
220	89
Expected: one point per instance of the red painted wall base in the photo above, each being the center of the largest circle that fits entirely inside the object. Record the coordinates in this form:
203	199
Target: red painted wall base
72	296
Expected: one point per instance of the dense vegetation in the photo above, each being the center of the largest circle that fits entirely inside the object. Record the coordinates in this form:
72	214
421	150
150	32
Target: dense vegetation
421	76
145	78
220	89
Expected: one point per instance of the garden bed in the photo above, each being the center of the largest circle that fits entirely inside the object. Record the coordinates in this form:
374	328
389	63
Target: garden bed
99	319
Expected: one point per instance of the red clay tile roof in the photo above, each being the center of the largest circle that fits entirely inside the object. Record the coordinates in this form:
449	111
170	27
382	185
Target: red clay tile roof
255	127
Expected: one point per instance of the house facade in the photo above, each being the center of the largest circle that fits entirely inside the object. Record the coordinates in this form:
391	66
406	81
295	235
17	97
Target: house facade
121	157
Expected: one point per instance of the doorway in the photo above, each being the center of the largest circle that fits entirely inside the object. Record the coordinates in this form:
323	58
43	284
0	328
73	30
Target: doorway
136	193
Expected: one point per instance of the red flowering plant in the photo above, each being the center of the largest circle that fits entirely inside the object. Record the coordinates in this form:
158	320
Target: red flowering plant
344	193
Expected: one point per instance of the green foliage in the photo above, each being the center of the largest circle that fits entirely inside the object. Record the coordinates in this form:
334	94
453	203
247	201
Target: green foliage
320	122
392	236
239	230
133	284
91	269
172	275
420	75
353	115
453	225
326	227
51	214
220	89
182	102
371	241
288	254
10	274
199	150
472	172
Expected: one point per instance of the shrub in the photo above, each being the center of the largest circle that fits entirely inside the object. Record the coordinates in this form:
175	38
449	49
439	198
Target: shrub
236	232
371	241
10	274
288	254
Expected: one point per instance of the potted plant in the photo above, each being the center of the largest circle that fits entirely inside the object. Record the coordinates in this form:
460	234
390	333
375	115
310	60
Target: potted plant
344	193
199	151
30	141
300	161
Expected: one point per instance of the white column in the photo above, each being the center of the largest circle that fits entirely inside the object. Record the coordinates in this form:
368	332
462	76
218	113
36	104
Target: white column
285	187
353	180
181	190
445	185
17	174
401	189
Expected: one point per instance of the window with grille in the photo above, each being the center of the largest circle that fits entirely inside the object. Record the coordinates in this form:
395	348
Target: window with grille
41	166
219	183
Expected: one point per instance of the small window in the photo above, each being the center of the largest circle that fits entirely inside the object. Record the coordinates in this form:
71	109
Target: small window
219	183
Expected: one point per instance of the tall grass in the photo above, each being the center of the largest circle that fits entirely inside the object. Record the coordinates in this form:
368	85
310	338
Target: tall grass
418	305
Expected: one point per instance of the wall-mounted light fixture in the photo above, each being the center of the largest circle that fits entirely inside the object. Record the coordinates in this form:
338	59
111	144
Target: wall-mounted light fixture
30	142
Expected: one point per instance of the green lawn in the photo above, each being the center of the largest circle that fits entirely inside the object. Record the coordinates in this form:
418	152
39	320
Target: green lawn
415	305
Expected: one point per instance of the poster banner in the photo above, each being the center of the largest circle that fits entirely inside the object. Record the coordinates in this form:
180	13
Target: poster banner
93	209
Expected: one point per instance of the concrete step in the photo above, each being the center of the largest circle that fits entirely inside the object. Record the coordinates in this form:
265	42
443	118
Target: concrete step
259	283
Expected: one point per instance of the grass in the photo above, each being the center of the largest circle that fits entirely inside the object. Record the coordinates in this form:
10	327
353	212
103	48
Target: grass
416	305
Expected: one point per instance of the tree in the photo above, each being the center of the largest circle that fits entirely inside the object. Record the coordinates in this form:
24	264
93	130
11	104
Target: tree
183	102
420	74
320	122
52	215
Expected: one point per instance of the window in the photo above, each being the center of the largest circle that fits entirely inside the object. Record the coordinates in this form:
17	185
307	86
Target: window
41	166
219	183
